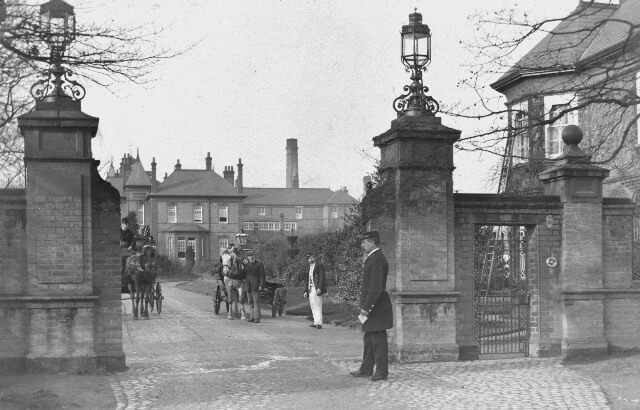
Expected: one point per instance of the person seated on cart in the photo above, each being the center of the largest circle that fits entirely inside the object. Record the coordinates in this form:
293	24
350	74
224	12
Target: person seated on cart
255	283
127	243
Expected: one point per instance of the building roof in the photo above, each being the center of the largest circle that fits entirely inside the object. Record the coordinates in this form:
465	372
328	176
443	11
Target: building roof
186	228
577	37
341	197
292	196
287	196
138	176
196	182
615	31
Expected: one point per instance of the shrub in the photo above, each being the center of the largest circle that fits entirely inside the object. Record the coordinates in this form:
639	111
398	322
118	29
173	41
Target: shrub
167	267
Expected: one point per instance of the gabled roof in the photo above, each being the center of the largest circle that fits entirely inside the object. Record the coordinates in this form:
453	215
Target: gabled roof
562	48
341	197
138	176
287	196
196	182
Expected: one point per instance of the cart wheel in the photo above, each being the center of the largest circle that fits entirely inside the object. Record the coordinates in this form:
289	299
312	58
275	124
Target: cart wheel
216	300
159	298
226	300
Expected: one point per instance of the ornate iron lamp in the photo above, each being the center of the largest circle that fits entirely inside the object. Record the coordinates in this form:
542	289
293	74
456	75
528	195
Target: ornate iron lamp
242	239
58	30
416	55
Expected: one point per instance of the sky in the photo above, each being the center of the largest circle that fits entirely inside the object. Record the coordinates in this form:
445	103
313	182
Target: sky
324	72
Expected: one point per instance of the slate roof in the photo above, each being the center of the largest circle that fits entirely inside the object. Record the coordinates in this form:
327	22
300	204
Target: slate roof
186	228
341	197
574	40
196	182
138	176
295	196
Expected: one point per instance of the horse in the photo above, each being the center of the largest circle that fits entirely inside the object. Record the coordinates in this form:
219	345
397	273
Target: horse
235	283
141	272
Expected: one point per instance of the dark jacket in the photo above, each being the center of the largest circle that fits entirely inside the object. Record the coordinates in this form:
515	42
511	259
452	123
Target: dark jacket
127	239
255	275
319	278
373	295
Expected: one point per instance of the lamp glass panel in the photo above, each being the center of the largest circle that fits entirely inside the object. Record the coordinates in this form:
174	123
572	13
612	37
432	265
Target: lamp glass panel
407	47
58	30
422	48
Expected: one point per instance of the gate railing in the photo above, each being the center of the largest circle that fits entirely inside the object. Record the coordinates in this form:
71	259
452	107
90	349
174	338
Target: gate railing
501	296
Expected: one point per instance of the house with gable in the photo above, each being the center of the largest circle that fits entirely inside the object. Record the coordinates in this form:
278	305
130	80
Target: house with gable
585	71
201	209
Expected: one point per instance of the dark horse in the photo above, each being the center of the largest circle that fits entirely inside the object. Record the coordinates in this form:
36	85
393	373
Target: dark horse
141	272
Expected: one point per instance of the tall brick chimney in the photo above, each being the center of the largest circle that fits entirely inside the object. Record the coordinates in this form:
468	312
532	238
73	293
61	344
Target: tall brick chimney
239	181
177	167
228	174
207	161
154	181
292	163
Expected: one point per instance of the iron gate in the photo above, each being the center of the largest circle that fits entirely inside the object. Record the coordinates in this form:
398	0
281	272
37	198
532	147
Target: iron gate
501	294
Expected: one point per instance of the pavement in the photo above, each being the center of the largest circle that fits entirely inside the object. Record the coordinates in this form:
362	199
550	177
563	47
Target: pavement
190	358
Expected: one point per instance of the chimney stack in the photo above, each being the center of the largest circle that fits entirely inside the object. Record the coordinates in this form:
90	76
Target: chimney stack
154	181
239	181
207	161
228	174
177	167
165	176
126	167
292	163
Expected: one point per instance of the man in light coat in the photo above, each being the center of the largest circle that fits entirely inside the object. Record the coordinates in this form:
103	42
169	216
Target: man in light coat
316	287
375	306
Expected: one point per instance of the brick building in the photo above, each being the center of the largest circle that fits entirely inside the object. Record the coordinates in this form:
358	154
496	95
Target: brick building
588	58
200	209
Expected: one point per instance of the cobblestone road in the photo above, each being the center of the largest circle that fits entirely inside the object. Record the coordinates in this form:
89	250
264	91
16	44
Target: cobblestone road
190	358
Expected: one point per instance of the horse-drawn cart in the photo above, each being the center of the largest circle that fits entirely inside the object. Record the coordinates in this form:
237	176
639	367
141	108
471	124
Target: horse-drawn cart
274	294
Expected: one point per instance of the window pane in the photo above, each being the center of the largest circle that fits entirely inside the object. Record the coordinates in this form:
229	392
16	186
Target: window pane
223	214
172	216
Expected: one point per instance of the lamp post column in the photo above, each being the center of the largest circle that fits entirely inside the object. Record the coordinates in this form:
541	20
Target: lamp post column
414	208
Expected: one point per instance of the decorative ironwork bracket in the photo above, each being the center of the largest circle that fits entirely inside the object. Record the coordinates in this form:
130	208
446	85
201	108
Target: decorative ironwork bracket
58	81
416	101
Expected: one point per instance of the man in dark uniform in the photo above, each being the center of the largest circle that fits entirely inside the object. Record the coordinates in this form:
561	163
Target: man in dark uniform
127	242
375	305
255	282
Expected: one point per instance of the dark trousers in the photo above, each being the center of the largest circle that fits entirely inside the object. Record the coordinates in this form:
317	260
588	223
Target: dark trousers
376	351
254	301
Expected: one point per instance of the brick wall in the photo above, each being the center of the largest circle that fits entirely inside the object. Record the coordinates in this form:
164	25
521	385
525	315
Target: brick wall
13	241
617	220
106	273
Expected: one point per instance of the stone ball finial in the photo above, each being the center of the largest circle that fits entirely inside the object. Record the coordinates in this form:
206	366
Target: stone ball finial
572	135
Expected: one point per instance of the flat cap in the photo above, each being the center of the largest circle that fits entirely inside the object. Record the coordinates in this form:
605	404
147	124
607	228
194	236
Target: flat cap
310	254
369	235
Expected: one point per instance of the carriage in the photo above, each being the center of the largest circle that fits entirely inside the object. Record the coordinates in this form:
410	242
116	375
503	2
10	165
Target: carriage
273	293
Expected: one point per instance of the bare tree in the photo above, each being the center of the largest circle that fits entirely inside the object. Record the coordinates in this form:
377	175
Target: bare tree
102	55
592	53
